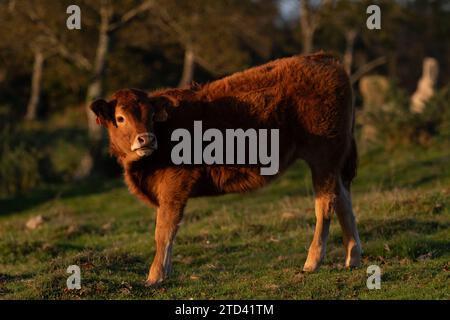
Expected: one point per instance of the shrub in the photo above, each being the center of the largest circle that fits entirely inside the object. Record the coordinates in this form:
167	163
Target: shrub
395	125
19	169
34	154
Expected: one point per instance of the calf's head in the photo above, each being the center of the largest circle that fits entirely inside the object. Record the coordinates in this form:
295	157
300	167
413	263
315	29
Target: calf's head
129	118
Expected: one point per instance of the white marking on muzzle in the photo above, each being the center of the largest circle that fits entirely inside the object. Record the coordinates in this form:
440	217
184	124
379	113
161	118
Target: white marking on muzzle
144	144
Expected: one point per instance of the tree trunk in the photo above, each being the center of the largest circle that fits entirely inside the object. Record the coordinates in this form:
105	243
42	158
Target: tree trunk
95	88
308	25
95	91
350	37
36	84
307	40
188	67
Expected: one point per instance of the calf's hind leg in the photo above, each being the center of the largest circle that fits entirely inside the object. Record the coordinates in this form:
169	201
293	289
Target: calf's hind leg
347	221
325	199
331	195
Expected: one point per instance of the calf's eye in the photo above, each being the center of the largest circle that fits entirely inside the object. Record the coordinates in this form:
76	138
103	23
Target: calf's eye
120	119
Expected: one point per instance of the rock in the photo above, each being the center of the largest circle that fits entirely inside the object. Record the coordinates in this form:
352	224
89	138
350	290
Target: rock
288	215
425	86
35	222
374	89
425	256
72	229
107	226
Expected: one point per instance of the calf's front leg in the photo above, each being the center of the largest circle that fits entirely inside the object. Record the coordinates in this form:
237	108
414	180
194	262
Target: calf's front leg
168	218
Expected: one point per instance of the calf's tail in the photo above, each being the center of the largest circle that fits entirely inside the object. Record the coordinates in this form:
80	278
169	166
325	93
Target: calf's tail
349	168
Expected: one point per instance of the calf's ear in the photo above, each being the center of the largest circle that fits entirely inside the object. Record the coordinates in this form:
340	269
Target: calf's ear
163	105
103	110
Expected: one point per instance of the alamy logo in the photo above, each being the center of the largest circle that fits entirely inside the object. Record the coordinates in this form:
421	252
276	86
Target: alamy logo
374	279
74	20
74	280
233	144
374	20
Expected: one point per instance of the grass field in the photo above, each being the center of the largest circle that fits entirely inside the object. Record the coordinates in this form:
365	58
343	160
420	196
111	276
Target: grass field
237	246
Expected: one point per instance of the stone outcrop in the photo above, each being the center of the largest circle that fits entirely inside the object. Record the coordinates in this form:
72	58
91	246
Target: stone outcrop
425	86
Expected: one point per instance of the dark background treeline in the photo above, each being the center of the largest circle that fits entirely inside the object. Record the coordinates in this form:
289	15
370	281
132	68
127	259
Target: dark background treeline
48	74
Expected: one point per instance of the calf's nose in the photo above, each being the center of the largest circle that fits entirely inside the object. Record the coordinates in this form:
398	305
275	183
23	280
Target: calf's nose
141	140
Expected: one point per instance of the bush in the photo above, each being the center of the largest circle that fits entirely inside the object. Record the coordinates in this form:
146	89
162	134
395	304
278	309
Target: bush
19	170
437	113
34	154
395	125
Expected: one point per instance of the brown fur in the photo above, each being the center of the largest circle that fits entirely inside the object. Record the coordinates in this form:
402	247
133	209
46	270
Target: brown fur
308	98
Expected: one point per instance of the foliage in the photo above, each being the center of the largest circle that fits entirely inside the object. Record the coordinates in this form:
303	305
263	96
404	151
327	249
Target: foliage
19	169
396	125
34	155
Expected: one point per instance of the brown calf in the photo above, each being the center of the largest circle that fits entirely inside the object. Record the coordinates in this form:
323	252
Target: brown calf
308	98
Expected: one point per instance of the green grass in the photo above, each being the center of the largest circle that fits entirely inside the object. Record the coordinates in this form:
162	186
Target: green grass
237	246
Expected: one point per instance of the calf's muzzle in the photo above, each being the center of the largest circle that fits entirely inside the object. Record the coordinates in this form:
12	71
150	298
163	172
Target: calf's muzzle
144	144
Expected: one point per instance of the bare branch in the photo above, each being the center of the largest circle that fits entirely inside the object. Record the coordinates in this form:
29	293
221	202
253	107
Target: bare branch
79	60
130	15
178	30
171	26
206	65
366	68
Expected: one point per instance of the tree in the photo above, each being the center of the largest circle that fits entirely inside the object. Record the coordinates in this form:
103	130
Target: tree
19	22
214	33
345	21
36	84
111	19
310	20
188	66
47	21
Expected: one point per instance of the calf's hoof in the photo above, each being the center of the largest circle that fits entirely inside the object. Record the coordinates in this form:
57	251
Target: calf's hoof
312	263
157	275
153	284
314	259
311	266
353	259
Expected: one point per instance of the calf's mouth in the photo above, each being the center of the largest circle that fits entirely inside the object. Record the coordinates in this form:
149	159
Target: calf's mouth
144	151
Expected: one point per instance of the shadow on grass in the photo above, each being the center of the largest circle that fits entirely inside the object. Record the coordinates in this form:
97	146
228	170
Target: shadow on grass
405	238
5	278
381	168
421	249
429	170
375	229
417	249
64	191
